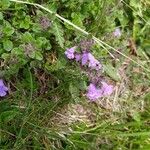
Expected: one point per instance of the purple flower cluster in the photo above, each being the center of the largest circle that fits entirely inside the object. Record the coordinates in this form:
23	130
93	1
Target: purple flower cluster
94	92
85	58
70	52
3	89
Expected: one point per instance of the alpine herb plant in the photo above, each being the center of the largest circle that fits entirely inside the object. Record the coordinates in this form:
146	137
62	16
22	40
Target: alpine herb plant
74	74
86	59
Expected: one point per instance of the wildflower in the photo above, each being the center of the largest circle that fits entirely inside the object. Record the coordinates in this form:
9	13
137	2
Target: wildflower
29	49
90	59
107	89
93	92
117	32
70	52
77	57
94	63
44	22
3	88
84	58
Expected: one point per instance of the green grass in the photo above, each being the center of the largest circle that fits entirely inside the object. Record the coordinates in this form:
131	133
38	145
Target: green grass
44	108
38	122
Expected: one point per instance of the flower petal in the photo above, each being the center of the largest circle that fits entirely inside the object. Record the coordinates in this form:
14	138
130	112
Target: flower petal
77	57
93	92
70	52
94	63
107	89
84	58
117	32
2	93
1	82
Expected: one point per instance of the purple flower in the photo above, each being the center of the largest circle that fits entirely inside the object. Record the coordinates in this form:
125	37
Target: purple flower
107	89
117	32
85	58
93	92
77	57
94	63
3	88
70	52
88	58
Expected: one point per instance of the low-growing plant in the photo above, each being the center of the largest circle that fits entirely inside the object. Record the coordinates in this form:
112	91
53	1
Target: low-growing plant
89	54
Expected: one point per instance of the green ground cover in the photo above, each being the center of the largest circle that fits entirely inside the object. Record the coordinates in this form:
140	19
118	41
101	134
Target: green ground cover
48	103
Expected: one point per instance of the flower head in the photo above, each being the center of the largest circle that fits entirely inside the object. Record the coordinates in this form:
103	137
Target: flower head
94	63
117	32
85	58
93	92
77	57
88	58
44	22
70	52
3	88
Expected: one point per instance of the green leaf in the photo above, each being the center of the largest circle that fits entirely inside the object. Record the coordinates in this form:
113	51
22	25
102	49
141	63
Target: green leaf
36	27
7	45
77	19
17	51
41	41
25	23
58	32
4	4
112	72
74	91
1	16
8	29
32	54
27	37
38	55
5	56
